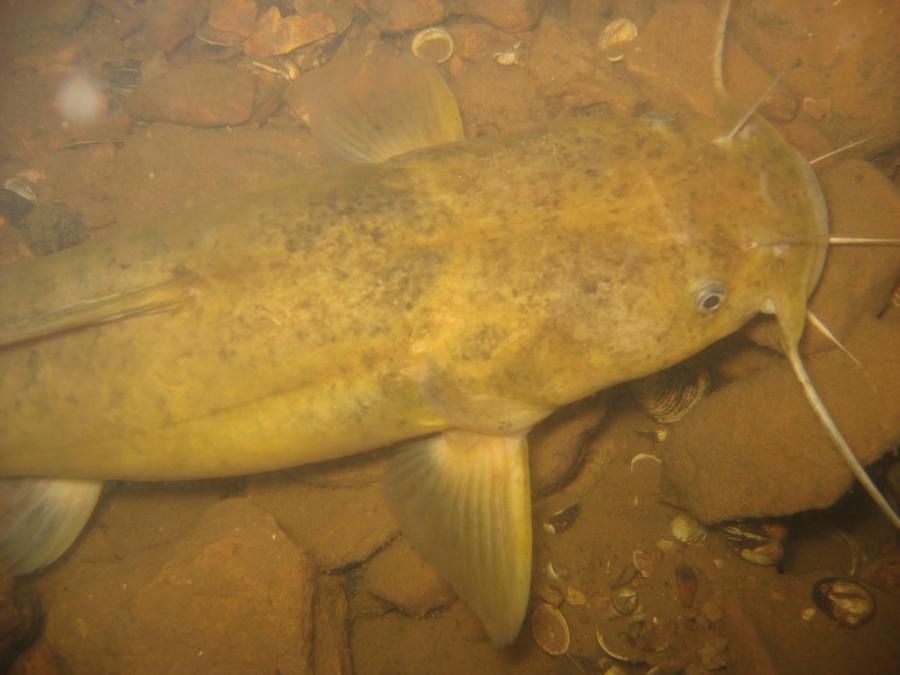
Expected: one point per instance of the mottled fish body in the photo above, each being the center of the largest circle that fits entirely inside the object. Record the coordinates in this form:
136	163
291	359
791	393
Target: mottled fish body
476	286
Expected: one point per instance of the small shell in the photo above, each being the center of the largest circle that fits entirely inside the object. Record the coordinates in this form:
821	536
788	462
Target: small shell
617	33
562	520
575	597
19	186
550	595
646	562
623	602
758	542
843	600
508	57
549	629
555	573
667	396
687	530
769	553
433	45
611	651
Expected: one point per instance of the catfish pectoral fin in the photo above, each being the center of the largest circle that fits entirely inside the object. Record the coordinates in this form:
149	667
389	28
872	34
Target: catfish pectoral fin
464	501
40	518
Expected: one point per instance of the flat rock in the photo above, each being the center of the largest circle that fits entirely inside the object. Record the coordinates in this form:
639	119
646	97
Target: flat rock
338	527
235	569
275	35
332	646
198	95
396	16
754	448
233	16
510	15
402	578
171	22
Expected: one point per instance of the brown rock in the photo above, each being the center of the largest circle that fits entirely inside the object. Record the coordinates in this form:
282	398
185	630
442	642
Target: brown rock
236	569
558	444
401	577
510	15
332	646
198	94
340	11
233	16
20	620
171	22
754	448
23	17
338	527
13	246
274	35
396	16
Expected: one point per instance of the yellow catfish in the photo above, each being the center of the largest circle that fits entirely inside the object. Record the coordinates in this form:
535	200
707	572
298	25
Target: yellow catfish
452	296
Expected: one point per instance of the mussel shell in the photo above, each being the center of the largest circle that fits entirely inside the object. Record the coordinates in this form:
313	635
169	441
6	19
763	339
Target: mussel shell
549	629
844	600
667	396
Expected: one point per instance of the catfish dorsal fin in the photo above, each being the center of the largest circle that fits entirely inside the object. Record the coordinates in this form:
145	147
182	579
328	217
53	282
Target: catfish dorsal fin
380	105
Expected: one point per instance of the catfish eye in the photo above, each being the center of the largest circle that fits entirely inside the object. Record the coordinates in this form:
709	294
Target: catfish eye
709	297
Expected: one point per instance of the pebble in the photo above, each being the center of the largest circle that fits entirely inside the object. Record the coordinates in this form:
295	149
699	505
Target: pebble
274	35
685	585
817	108
711	611
197	95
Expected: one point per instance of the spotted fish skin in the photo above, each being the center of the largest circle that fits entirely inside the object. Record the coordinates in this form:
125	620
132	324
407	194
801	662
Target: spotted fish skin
477	285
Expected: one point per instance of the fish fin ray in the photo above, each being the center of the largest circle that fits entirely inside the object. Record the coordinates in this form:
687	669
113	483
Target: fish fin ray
40	518
94	311
463	499
386	106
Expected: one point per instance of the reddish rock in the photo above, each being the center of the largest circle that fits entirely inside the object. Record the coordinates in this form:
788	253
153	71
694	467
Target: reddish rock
755	448
340	11
235	569
198	95
274	35
332	646
338	527
397	16
401	577
558	444
171	22
233	16
510	15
